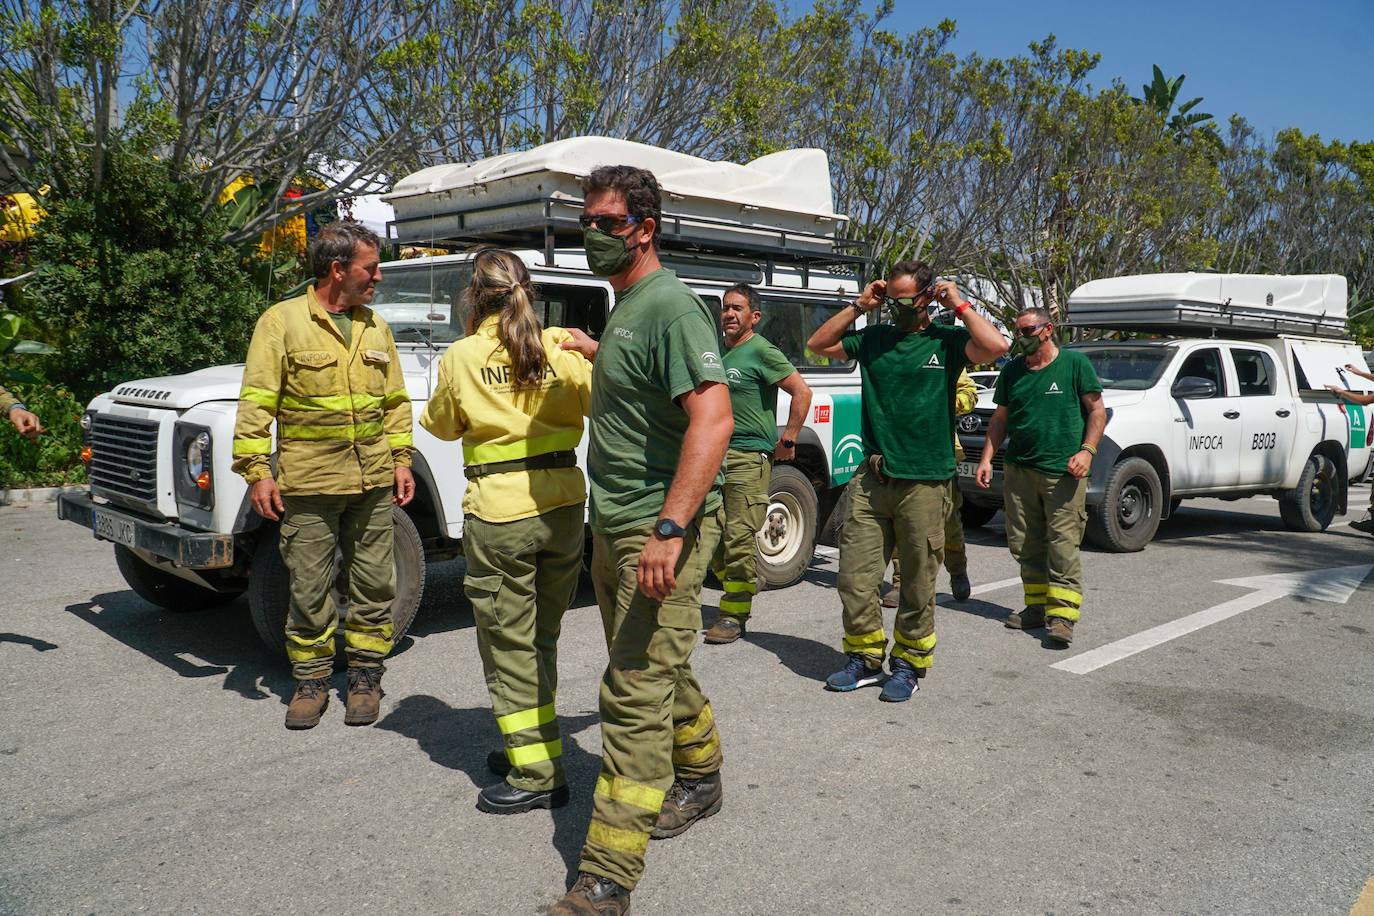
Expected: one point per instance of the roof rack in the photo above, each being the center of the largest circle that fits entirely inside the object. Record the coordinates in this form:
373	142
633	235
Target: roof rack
550	222
1184	320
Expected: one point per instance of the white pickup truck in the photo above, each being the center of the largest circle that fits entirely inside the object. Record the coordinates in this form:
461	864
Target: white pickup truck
1228	416
159	459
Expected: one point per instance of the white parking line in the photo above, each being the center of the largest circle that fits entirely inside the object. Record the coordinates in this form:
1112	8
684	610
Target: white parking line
995	586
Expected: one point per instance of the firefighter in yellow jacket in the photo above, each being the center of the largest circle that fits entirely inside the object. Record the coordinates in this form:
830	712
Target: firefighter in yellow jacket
517	401
324	367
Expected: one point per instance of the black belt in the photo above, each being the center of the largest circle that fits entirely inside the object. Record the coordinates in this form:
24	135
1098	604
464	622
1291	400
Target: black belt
544	462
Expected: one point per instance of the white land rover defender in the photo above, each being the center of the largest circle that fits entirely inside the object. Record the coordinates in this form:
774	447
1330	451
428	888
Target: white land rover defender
161	489
1225	398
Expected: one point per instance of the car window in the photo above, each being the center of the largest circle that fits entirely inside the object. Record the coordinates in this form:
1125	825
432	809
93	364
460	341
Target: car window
787	323
1127	368
1254	372
1205	364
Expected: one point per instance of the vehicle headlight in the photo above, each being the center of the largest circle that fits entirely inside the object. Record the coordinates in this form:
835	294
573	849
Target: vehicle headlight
196	450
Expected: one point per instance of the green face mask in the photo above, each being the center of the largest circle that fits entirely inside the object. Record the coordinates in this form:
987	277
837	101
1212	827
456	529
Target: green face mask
1028	345
606	254
904	318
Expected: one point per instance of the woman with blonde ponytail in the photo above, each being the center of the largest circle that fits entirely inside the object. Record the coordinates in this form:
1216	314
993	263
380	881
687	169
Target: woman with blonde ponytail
517	400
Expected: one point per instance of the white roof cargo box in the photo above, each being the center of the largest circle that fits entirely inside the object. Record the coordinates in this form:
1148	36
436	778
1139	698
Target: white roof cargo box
781	201
1244	304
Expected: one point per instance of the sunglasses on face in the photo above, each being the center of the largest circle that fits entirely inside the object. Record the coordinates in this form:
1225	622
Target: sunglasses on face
1031	330
902	301
607	224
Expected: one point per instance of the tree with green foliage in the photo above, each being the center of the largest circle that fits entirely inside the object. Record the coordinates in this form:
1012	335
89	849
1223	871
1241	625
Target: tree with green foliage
1161	94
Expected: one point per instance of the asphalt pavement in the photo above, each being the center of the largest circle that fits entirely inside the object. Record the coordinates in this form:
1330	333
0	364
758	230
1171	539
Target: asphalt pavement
1219	765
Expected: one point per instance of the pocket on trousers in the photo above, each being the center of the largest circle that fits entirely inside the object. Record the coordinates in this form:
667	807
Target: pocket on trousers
482	592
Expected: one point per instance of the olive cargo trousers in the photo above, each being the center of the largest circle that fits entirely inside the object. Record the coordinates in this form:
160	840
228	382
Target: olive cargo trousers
313	527
1046	516
746	503
656	725
956	552
521	578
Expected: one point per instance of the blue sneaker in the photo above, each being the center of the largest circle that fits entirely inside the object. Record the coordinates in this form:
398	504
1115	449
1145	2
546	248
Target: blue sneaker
855	674
902	684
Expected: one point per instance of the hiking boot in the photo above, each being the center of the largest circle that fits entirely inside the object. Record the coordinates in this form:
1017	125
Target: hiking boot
593	895
1365	524
857	672
903	683
364	696
890	599
308	703
960	586
1060	631
725	630
504	798
688	801
1031	618
498	763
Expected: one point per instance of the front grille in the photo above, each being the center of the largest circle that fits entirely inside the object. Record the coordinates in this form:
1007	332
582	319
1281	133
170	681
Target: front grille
124	457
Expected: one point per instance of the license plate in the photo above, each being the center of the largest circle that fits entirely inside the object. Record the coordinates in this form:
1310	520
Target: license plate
113	528
965	468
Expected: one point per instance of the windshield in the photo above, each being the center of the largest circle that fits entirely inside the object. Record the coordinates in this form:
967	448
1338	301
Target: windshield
422	301
1128	368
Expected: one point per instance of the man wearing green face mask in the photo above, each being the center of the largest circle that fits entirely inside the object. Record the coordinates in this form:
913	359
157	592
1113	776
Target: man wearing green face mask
659	422
1050	402
903	492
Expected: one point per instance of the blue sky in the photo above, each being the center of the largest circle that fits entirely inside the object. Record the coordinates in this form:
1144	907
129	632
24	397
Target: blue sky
1280	64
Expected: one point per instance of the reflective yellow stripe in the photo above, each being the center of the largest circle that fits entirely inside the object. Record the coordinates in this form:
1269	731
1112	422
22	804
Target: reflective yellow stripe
689	730
1034	588
260	396
393	398
1068	613
693	755
346	431
1065	595
370	639
736	605
253	446
629	792
335	402
866	643
525	448
303	650
526	718
534	753
617	839
917	660
732	587
400	440
924	644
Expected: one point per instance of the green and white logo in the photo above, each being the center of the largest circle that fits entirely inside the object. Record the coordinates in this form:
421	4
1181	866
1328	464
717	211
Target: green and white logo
1359	428
847	445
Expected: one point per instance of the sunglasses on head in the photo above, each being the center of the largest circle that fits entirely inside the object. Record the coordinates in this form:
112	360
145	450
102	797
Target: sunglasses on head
1032	330
607	224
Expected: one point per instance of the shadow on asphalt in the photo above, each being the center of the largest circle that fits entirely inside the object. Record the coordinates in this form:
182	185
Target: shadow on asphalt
33	642
459	739
812	660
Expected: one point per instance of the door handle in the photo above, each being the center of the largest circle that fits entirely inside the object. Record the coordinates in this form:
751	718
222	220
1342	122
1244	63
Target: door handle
1231	414
1282	412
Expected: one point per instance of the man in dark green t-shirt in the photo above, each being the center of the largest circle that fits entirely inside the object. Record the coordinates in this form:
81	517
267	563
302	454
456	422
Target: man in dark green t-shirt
1049	407
659	423
756	370
902	493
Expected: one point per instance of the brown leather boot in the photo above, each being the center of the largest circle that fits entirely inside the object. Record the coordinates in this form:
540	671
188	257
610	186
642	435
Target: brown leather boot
725	630
593	895
1031	618
688	801
308	703
1060	631
364	696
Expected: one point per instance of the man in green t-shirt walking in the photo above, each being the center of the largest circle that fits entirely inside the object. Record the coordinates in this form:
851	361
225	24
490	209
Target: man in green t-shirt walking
1049	407
659	423
756	370
902	493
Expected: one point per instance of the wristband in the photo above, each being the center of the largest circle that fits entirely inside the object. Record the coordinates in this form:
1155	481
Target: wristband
962	307
1089	449
858	309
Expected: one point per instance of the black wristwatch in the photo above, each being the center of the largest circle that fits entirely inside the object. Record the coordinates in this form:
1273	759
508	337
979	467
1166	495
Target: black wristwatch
667	528
788	443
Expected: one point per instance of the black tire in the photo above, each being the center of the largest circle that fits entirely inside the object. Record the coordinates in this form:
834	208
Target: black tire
975	516
788	539
829	533
167	591
269	593
1311	505
1129	514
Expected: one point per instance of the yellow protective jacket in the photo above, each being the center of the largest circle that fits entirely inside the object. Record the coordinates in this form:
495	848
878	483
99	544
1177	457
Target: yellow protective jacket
965	397
7	400
342	412
475	401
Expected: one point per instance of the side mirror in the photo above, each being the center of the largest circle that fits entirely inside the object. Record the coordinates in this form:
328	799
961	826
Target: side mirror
1192	388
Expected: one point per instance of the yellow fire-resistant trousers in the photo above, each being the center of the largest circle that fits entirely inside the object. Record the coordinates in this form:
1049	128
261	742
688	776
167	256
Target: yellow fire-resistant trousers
521	577
655	722
1045	520
745	504
312	529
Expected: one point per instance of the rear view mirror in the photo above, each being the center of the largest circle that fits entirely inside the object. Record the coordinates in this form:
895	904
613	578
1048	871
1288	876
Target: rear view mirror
1192	388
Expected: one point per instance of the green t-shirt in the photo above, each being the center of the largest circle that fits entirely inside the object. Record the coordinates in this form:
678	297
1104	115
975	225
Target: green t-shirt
344	321
909	382
659	343
754	369
1044	410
